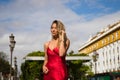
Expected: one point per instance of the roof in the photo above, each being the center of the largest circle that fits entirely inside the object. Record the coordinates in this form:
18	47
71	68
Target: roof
114	27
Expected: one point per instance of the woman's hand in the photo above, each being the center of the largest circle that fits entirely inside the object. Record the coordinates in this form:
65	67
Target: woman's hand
45	70
62	36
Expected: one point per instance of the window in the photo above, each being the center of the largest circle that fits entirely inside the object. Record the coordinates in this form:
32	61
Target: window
102	42
103	63
113	51
108	39
117	49
112	37
103	54
106	62
97	44
114	60
110	52
118	59
105	41
110	62
116	35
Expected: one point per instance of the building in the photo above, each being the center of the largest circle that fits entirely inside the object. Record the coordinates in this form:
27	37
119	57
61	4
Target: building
106	44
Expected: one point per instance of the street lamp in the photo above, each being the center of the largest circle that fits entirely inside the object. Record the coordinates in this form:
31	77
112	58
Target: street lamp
15	68
95	58
12	45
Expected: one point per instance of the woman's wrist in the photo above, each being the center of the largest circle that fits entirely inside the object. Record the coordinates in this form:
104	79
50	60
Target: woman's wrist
61	40
44	65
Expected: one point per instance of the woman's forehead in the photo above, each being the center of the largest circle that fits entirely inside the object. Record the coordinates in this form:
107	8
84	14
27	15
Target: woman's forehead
54	25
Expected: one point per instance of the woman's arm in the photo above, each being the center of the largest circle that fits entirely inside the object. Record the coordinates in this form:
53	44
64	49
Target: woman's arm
64	45
45	69
45	60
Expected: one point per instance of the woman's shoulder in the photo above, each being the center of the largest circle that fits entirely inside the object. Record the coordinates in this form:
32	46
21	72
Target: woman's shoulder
46	43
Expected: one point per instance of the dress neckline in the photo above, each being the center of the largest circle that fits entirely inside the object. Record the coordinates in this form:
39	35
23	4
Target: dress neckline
52	49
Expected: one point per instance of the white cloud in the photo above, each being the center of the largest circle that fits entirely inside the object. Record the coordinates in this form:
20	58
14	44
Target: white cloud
80	32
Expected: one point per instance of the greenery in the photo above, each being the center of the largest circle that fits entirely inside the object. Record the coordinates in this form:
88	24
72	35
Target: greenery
32	69
77	69
4	64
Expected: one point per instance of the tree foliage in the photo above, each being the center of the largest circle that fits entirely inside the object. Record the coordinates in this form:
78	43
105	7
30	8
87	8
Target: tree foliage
4	64
77	69
32	69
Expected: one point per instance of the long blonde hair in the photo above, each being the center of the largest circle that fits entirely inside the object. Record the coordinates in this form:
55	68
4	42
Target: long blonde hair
60	27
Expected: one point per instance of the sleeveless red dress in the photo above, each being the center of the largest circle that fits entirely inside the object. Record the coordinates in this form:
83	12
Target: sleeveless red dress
56	65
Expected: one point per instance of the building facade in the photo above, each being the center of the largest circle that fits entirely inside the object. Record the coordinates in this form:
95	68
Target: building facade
106	44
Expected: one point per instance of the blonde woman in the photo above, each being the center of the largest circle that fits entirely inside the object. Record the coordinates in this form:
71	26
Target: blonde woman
54	67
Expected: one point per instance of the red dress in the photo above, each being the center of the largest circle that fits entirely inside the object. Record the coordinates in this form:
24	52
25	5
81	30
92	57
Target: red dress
56	66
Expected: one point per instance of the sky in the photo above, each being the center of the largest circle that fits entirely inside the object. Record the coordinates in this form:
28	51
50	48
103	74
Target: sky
30	20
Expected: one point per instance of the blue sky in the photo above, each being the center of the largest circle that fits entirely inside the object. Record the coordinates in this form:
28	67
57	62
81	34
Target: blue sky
30	20
4	2
93	6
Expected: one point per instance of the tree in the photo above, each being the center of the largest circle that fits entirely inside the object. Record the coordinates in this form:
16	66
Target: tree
4	64
71	52
32	69
3	56
78	70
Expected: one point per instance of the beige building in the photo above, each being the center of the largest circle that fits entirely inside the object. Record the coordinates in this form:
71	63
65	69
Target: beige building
107	45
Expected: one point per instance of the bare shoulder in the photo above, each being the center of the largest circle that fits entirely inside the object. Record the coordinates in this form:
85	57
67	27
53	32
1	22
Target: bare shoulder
46	44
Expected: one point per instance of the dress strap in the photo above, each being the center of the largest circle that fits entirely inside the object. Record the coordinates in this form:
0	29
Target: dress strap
48	44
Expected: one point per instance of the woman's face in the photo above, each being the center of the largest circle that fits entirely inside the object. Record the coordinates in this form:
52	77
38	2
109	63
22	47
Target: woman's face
54	29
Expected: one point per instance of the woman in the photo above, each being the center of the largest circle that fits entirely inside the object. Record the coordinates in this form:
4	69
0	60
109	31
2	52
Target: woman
54	67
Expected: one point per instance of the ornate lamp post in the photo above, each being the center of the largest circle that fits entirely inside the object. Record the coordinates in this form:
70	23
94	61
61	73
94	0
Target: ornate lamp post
95	58
12	45
15	70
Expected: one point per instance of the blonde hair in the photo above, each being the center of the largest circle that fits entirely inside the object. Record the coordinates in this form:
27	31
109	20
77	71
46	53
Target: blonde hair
60	27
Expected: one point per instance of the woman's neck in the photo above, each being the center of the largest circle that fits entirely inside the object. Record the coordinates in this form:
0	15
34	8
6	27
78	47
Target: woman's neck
55	38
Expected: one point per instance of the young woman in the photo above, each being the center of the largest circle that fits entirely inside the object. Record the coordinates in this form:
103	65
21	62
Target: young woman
54	67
